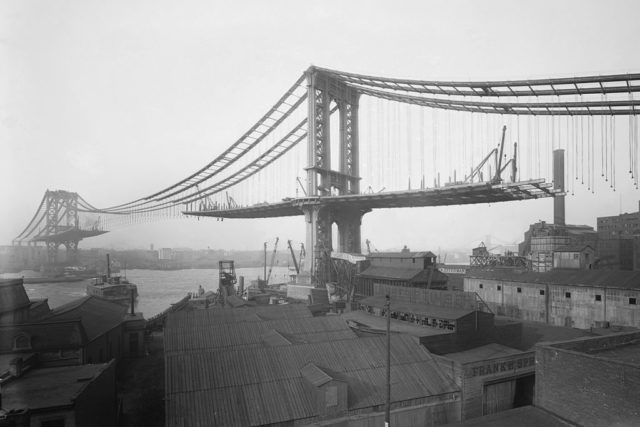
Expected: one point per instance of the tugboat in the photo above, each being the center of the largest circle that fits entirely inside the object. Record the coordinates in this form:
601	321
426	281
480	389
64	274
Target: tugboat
113	288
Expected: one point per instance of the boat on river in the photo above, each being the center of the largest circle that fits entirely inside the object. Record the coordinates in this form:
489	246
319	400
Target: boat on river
113	288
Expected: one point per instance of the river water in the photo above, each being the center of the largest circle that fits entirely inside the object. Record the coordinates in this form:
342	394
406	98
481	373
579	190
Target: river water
157	289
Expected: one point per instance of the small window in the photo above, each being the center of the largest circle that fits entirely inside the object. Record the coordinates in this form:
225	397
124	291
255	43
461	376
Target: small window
576	256
541	291
481	285
598	297
331	395
519	290
632	301
567	294
499	287
21	342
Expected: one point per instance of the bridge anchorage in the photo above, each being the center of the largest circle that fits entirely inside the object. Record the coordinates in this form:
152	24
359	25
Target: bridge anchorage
382	133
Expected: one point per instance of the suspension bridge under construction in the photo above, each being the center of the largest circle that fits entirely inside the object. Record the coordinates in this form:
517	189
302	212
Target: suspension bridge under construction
377	142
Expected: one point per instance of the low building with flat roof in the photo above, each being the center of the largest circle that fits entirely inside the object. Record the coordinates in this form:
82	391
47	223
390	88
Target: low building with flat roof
65	396
591	381
562	297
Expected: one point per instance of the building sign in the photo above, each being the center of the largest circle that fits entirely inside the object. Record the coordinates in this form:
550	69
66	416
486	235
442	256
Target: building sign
348	257
453	270
491	368
416	319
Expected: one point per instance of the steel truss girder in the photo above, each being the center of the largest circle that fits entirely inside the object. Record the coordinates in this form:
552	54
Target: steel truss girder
587	85
584	108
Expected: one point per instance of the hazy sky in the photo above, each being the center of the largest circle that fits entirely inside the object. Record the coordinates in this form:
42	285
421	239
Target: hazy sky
118	99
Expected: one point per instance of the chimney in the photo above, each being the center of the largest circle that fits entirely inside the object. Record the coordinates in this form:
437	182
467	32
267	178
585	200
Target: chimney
108	267
132	303
558	184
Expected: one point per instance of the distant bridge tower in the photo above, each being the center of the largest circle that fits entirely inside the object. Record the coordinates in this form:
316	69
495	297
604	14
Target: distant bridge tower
62	225
326	95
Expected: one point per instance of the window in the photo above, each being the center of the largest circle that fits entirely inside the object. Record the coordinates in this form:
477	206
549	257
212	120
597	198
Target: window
576	256
21	342
541	291
481	285
519	290
632	301
598	297
331	395
499	287
567	294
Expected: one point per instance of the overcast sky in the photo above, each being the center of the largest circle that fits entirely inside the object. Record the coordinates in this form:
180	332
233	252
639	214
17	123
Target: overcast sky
118	99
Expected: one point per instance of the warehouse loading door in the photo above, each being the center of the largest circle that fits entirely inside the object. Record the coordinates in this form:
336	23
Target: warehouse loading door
504	395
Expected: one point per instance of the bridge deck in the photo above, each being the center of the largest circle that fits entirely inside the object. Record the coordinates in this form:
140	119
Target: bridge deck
67	235
458	194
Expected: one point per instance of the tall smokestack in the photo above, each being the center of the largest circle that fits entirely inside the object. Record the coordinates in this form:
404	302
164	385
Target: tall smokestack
108	267
558	184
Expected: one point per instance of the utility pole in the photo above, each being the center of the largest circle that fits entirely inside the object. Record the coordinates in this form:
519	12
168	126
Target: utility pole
387	417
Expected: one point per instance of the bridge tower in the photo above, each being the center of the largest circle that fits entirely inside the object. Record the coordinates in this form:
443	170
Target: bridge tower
61	216
324	92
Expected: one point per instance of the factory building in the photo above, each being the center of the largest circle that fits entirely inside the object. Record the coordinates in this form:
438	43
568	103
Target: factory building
493	378
584	381
580	257
235	368
400	269
572	298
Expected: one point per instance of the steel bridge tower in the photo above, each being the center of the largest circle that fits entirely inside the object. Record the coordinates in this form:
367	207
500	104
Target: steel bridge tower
62	225
327	95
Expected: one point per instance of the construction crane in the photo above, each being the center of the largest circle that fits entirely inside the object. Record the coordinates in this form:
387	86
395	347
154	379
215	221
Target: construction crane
273	258
293	257
369	245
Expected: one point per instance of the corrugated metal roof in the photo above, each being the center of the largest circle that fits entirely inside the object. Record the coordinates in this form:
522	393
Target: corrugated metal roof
193	319
405	306
408	255
97	315
396	273
193	331
315	375
572	248
50	387
259	386
12	295
403	273
601	278
485	352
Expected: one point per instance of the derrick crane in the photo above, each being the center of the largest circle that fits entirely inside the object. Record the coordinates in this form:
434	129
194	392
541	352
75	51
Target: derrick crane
293	257
273	258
